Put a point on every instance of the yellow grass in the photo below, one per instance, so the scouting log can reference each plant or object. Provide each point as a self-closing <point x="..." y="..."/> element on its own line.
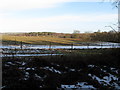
<point x="38" y="39"/>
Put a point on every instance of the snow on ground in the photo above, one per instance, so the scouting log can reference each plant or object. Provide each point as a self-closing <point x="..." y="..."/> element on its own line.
<point x="23" y="63"/>
<point x="20" y="55"/>
<point x="9" y="63"/>
<point x="114" y="70"/>
<point x="91" y="66"/>
<point x="21" y="68"/>
<point x="38" y="77"/>
<point x="107" y="80"/>
<point x="52" y="69"/>
<point x="81" y="85"/>
<point x="26" y="76"/>
<point x="30" y="68"/>
<point x="72" y="70"/>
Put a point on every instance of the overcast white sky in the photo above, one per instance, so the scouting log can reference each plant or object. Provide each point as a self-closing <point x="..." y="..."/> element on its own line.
<point x="56" y="15"/>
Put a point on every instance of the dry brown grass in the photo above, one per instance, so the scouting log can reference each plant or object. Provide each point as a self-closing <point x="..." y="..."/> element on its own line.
<point x="38" y="39"/>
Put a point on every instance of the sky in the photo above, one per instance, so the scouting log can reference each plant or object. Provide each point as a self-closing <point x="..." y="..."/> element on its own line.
<point x="62" y="16"/>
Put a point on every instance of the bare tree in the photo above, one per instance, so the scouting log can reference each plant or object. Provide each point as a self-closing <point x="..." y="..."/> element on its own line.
<point x="114" y="2"/>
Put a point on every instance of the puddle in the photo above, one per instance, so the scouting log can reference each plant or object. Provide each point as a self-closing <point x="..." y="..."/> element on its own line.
<point x="92" y="45"/>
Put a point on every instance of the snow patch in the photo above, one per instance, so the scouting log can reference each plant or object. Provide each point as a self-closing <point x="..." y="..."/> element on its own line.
<point x="52" y="70"/>
<point x="79" y="85"/>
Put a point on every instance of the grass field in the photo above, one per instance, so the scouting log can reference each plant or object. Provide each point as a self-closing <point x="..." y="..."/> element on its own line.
<point x="39" y="40"/>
